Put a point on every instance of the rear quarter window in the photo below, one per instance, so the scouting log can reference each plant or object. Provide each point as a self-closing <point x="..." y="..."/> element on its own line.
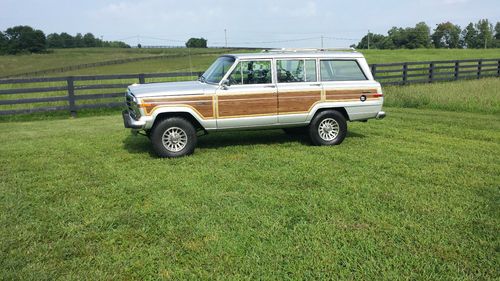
<point x="341" y="70"/>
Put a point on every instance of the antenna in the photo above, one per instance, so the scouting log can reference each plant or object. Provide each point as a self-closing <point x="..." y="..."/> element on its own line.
<point x="225" y="36"/>
<point x="190" y="63"/>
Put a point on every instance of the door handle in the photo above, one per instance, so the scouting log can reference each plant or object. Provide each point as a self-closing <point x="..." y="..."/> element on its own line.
<point x="315" y="84"/>
<point x="270" y="86"/>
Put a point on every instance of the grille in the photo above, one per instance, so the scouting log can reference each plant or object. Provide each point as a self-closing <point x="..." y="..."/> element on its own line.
<point x="132" y="107"/>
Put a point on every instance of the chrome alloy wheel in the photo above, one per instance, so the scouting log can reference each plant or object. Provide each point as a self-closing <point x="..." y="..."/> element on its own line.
<point x="328" y="129"/>
<point x="174" y="139"/>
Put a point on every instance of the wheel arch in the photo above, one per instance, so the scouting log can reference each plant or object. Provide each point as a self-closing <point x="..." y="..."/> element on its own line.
<point x="339" y="109"/>
<point x="186" y="115"/>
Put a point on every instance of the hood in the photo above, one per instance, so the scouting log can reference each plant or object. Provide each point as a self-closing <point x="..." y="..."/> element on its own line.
<point x="171" y="89"/>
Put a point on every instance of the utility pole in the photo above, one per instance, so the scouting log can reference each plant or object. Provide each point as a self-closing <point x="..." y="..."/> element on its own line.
<point x="368" y="39"/>
<point x="485" y="40"/>
<point x="225" y="36"/>
<point x="321" y="41"/>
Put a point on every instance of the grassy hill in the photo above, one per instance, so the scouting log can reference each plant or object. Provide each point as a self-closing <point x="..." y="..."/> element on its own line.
<point x="178" y="59"/>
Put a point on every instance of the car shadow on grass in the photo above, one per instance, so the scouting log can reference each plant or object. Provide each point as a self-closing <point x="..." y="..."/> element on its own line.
<point x="141" y="144"/>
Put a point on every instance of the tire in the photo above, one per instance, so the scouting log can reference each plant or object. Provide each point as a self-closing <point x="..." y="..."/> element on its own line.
<point x="295" y="131"/>
<point x="328" y="128"/>
<point x="173" y="137"/>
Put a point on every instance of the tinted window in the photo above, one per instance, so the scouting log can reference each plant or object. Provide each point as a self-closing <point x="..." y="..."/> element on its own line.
<point x="340" y="70"/>
<point x="251" y="72"/>
<point x="296" y="71"/>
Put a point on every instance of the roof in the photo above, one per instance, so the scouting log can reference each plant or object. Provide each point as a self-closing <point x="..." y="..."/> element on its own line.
<point x="298" y="54"/>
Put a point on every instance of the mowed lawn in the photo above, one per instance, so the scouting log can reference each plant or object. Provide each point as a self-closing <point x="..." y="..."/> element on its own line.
<point x="413" y="196"/>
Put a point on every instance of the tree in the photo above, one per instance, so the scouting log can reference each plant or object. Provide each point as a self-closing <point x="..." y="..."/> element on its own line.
<point x="54" y="41"/>
<point x="419" y="36"/>
<point x="24" y="38"/>
<point x="3" y="43"/>
<point x="497" y="34"/>
<point x="89" y="40"/>
<point x="196" y="43"/>
<point x="377" y="41"/>
<point x="67" y="40"/>
<point x="484" y="34"/>
<point x="78" y="41"/>
<point x="469" y="36"/>
<point x="446" y="35"/>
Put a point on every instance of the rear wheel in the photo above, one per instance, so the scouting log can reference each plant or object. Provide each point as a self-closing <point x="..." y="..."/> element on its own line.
<point x="328" y="128"/>
<point x="173" y="137"/>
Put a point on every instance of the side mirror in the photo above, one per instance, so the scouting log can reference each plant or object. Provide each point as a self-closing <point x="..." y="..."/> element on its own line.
<point x="225" y="83"/>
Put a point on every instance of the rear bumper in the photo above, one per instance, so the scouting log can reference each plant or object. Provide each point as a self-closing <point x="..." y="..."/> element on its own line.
<point x="130" y="122"/>
<point x="380" y="115"/>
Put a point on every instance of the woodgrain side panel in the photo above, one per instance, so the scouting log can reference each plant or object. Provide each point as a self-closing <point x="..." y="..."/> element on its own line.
<point x="247" y="104"/>
<point x="371" y="94"/>
<point x="204" y="105"/>
<point x="293" y="101"/>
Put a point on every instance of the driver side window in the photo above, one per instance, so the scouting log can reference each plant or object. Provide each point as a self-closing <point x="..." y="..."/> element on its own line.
<point x="251" y="72"/>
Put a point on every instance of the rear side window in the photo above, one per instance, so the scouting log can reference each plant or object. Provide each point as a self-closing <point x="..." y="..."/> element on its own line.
<point x="341" y="70"/>
<point x="289" y="71"/>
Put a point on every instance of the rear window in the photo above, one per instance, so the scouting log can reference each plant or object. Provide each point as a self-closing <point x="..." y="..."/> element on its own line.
<point x="341" y="70"/>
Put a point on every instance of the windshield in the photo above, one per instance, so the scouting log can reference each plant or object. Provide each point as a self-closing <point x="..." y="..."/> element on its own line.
<point x="217" y="70"/>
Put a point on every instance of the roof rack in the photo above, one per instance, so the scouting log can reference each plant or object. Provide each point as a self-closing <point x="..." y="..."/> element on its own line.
<point x="294" y="50"/>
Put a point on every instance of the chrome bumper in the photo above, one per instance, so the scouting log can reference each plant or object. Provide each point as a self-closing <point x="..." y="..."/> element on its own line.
<point x="130" y="122"/>
<point x="380" y="115"/>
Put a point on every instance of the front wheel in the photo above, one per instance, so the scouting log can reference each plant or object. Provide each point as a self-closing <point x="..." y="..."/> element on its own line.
<point x="173" y="137"/>
<point x="328" y="128"/>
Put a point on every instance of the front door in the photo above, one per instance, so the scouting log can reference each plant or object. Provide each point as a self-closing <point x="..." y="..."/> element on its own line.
<point x="250" y="99"/>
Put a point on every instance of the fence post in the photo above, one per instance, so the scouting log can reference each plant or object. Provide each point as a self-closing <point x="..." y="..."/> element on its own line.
<point x="71" y="96"/>
<point x="141" y="78"/>
<point x="457" y="69"/>
<point x="374" y="70"/>
<point x="405" y="73"/>
<point x="498" y="68"/>
<point x="431" y="72"/>
<point x="479" y="65"/>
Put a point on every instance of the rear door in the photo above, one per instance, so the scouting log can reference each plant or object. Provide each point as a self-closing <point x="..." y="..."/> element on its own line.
<point x="298" y="89"/>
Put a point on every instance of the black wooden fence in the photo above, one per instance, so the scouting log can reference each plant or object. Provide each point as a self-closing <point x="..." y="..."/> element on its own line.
<point x="402" y="73"/>
<point x="28" y="95"/>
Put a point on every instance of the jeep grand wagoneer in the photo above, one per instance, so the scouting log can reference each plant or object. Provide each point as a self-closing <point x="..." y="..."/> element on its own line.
<point x="314" y="92"/>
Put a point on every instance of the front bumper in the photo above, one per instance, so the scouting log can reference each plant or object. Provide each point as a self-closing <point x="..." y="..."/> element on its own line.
<point x="130" y="122"/>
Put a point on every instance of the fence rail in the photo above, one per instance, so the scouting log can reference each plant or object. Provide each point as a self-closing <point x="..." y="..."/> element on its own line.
<point x="73" y="93"/>
<point x="403" y="73"/>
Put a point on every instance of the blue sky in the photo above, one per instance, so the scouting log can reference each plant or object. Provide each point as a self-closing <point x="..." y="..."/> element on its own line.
<point x="299" y="23"/>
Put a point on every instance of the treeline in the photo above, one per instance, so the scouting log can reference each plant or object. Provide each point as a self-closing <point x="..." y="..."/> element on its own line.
<point x="445" y="35"/>
<point x="25" y="39"/>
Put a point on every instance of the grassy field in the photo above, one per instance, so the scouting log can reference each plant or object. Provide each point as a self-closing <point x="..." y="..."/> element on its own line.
<point x="10" y="65"/>
<point x="413" y="196"/>
<point x="15" y="64"/>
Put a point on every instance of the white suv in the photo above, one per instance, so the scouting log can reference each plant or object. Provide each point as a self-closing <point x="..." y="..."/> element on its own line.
<point x="314" y="92"/>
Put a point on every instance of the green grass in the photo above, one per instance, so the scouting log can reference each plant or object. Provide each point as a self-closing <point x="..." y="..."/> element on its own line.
<point x="16" y="64"/>
<point x="10" y="65"/>
<point x="387" y="56"/>
<point x="413" y="196"/>
<point x="464" y="96"/>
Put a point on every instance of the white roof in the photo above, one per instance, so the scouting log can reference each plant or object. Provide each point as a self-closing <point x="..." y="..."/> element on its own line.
<point x="298" y="54"/>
